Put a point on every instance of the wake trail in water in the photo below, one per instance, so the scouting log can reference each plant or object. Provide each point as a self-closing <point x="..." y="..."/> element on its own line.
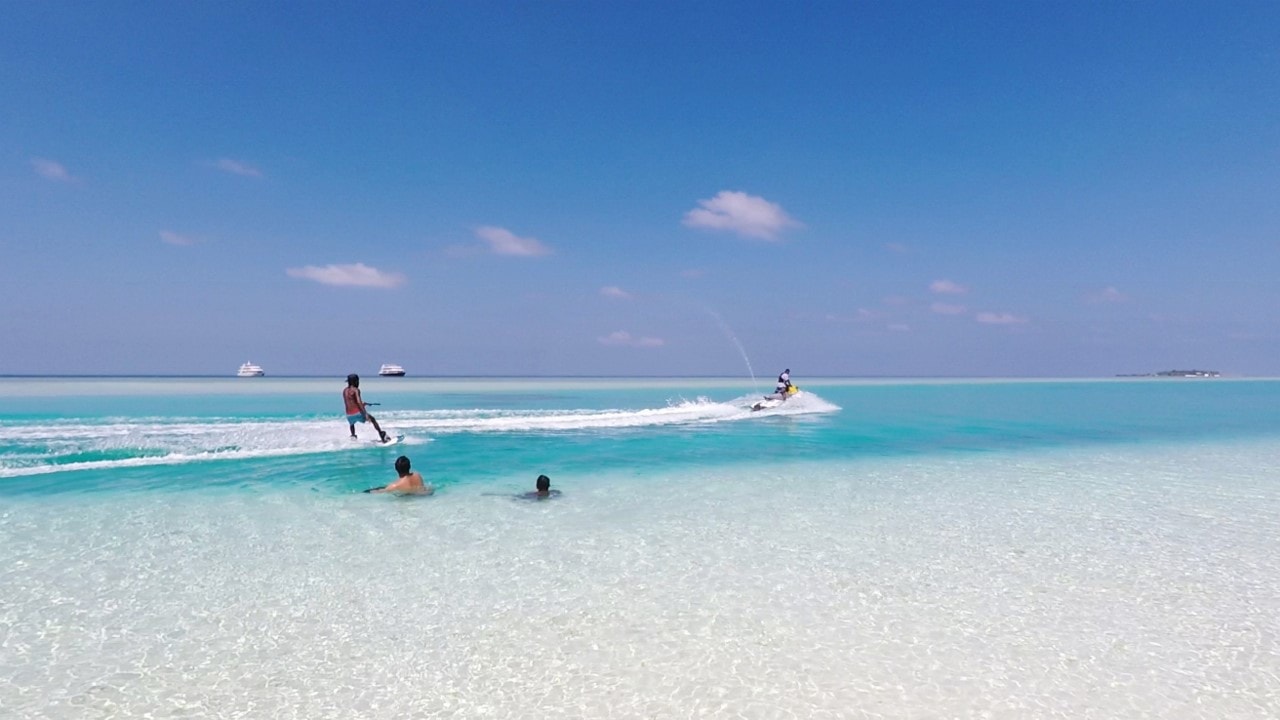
<point x="91" y="444"/>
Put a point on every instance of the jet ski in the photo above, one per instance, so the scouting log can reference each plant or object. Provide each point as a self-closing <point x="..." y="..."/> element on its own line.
<point x="773" y="400"/>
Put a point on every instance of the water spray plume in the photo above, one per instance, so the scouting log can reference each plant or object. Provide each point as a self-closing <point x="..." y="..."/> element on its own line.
<point x="724" y="327"/>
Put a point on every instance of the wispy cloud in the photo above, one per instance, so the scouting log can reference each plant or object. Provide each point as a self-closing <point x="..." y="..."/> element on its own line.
<point x="738" y="212"/>
<point x="236" y="167"/>
<point x="504" y="242"/>
<point x="624" y="339"/>
<point x="946" y="287"/>
<point x="1106" y="295"/>
<point x="611" y="291"/>
<point x="862" y="315"/>
<point x="50" y="170"/>
<point x="692" y="274"/>
<point x="897" y="247"/>
<point x="947" y="309"/>
<point x="992" y="318"/>
<point x="900" y="327"/>
<point x="357" y="275"/>
<point x="174" y="238"/>
<point x="462" y="251"/>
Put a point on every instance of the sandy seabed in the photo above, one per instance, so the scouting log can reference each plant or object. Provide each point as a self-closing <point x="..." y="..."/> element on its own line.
<point x="1118" y="582"/>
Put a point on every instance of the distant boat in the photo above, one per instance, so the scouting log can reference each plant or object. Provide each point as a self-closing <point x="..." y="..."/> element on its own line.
<point x="390" y="370"/>
<point x="250" y="370"/>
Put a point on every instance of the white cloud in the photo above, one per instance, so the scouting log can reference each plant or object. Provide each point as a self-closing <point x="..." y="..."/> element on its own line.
<point x="624" y="339"/>
<point x="357" y="275"/>
<point x="174" y="238"/>
<point x="50" y="170"/>
<point x="1107" y="295"/>
<point x="504" y="242"/>
<point x="946" y="287"/>
<point x="741" y="213"/>
<point x="235" y="167"/>
<point x="615" y="292"/>
<point x="991" y="318"/>
<point x="947" y="309"/>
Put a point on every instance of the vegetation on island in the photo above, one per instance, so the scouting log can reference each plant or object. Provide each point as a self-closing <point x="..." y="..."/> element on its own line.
<point x="1179" y="373"/>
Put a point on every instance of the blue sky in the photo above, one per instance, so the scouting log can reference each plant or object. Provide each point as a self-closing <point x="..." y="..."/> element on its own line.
<point x="865" y="189"/>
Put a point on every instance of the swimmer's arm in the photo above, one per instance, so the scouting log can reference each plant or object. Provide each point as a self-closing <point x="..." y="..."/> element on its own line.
<point x="403" y="485"/>
<point x="398" y="486"/>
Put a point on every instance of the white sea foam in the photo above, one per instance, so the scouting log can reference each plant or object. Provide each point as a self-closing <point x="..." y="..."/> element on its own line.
<point x="152" y="441"/>
<point x="701" y="410"/>
<point x="144" y="442"/>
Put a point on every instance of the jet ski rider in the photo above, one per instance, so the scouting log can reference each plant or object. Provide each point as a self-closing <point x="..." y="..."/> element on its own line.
<point x="784" y="384"/>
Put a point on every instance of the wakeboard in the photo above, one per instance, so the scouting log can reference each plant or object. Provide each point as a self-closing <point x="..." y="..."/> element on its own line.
<point x="391" y="440"/>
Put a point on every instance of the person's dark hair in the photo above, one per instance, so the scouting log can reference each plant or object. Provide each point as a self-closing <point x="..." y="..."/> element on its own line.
<point x="353" y="379"/>
<point x="544" y="483"/>
<point x="402" y="464"/>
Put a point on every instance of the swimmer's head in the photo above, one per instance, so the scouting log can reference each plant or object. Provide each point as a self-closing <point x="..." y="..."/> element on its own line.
<point x="544" y="483"/>
<point x="353" y="380"/>
<point x="402" y="465"/>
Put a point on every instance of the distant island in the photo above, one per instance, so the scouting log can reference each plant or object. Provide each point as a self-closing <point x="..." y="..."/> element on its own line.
<point x="1178" y="373"/>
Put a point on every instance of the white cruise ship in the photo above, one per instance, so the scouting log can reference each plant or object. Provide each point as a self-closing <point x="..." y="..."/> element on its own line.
<point x="390" y="370"/>
<point x="250" y="370"/>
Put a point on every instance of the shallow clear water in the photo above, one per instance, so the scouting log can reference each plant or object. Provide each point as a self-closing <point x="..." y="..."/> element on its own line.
<point x="952" y="549"/>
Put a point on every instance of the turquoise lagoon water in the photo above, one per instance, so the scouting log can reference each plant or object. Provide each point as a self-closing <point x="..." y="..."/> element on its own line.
<point x="201" y="547"/>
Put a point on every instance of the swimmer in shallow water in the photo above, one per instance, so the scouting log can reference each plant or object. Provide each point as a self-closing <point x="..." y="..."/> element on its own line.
<point x="409" y="482"/>
<point x="543" y="490"/>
